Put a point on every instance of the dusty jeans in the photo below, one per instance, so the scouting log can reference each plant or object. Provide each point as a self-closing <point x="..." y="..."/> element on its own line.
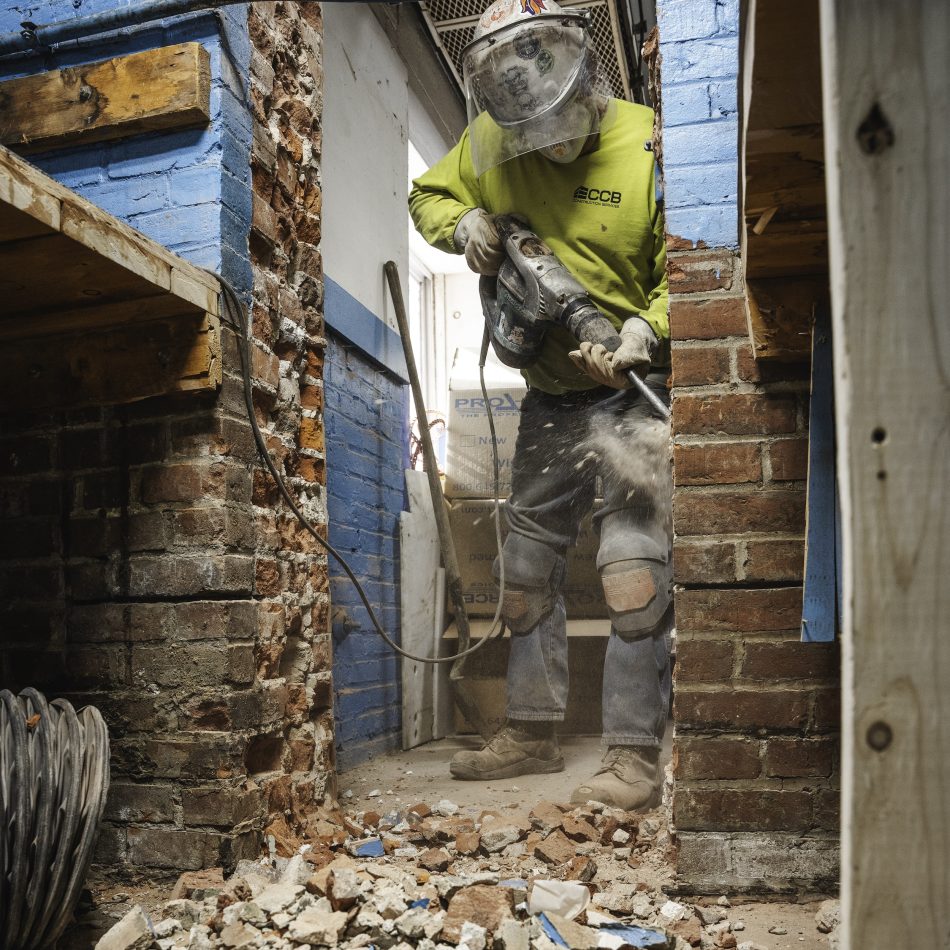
<point x="564" y="443"/>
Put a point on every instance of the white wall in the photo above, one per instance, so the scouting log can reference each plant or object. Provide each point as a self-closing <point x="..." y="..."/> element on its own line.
<point x="365" y="143"/>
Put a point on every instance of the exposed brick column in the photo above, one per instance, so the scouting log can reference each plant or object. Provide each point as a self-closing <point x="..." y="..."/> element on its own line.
<point x="755" y="755"/>
<point x="294" y="762"/>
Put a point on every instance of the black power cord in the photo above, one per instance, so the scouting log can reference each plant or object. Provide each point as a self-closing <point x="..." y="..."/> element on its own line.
<point x="237" y="319"/>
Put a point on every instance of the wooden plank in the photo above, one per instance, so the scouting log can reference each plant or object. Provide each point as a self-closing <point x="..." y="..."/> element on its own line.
<point x="44" y="198"/>
<point x="159" y="89"/>
<point x="419" y="558"/>
<point x="820" y="597"/>
<point x="887" y="89"/>
<point x="117" y="365"/>
<point x="83" y="278"/>
<point x="787" y="248"/>
<point x="64" y="321"/>
<point x="780" y="311"/>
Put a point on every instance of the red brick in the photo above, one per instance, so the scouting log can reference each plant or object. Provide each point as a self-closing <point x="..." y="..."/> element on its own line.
<point x="703" y="758"/>
<point x="742" y="810"/>
<point x="707" y="512"/>
<point x="828" y="809"/>
<point x="711" y="318"/>
<point x="717" y="463"/>
<point x="739" y="611"/>
<point x="704" y="562"/>
<point x="772" y="661"/>
<point x="774" y="561"/>
<point x="789" y="458"/>
<point x="742" y="710"/>
<point x="701" y="366"/>
<point x="183" y="482"/>
<point x="704" y="661"/>
<point x="734" y="414"/>
<point x="827" y="714"/>
<point x="697" y="273"/>
<point x="311" y="434"/>
<point x="787" y="757"/>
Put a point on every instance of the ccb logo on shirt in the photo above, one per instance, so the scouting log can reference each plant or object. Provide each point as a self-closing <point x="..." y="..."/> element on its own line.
<point x="598" y="196"/>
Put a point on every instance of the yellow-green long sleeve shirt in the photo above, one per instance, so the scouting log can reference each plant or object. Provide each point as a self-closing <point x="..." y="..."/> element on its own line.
<point x="599" y="214"/>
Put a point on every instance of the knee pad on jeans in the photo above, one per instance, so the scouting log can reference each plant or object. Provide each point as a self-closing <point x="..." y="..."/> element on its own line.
<point x="533" y="575"/>
<point x="638" y="587"/>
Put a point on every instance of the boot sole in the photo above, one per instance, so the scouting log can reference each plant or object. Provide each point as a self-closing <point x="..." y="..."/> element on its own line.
<point x="524" y="767"/>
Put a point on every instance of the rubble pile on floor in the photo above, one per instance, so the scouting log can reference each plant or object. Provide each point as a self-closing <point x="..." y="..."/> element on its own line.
<point x="437" y="879"/>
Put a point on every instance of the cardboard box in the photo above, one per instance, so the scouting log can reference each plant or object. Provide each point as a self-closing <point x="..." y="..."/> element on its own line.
<point x="473" y="528"/>
<point x="468" y="463"/>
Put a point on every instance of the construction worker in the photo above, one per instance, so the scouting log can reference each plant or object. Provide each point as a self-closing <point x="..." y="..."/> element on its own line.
<point x="546" y="141"/>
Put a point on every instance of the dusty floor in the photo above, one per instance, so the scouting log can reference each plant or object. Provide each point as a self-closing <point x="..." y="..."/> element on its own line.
<point x="421" y="774"/>
<point x="397" y="782"/>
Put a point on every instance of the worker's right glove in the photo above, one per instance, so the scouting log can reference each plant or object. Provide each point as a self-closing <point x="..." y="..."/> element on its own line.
<point x="477" y="236"/>
<point x="638" y="345"/>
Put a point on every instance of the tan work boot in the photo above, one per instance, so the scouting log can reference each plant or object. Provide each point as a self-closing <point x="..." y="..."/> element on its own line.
<point x="629" y="778"/>
<point x="518" y="748"/>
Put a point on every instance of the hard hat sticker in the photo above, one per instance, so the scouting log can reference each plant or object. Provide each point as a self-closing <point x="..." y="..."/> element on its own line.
<point x="533" y="6"/>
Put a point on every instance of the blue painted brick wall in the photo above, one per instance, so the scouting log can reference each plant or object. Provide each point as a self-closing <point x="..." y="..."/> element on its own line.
<point x="699" y="43"/>
<point x="366" y="418"/>
<point x="189" y="190"/>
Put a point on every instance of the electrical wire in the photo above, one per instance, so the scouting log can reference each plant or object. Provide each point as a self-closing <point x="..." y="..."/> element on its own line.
<point x="237" y="319"/>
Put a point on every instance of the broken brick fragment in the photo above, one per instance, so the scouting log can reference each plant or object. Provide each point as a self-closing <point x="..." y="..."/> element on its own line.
<point x="557" y="848"/>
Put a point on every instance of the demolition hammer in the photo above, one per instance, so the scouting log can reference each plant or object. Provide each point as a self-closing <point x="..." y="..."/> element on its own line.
<point x="533" y="291"/>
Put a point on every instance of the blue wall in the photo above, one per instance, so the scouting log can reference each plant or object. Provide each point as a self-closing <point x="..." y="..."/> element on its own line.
<point x="367" y="443"/>
<point x="699" y="43"/>
<point x="189" y="190"/>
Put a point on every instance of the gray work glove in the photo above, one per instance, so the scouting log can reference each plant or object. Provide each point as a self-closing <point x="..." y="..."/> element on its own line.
<point x="638" y="343"/>
<point x="477" y="236"/>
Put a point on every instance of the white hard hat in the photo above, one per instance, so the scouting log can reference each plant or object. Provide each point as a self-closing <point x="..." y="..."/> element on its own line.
<point x="531" y="82"/>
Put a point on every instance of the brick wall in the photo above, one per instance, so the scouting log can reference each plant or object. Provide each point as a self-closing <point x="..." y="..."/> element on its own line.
<point x="146" y="565"/>
<point x="755" y="753"/>
<point x="367" y="454"/>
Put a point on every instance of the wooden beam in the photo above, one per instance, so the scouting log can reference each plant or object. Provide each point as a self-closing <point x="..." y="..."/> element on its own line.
<point x="117" y="365"/>
<point x="159" y="89"/>
<point x="781" y="311"/>
<point x="886" y="71"/>
<point x="789" y="247"/>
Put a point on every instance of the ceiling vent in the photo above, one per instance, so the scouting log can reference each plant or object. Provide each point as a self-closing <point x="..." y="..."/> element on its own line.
<point x="452" y="23"/>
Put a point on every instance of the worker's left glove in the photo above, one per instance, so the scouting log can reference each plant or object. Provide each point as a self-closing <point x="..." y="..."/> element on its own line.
<point x="638" y="343"/>
<point x="477" y="236"/>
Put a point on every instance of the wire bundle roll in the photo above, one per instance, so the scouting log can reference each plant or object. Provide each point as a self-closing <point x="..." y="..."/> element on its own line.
<point x="54" y="777"/>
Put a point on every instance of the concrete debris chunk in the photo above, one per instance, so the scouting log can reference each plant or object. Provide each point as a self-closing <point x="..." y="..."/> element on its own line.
<point x="446" y="808"/>
<point x="574" y="935"/>
<point x="483" y="904"/>
<point x="472" y="937"/>
<point x="512" y="935"/>
<point x="317" y="927"/>
<point x="828" y="917"/>
<point x="132" y="932"/>
<point x="496" y="836"/>
<point x="557" y="848"/>
<point x="435" y="859"/>
<point x="278" y="897"/>
<point x="343" y="888"/>
<point x="710" y="915"/>
<point x="238" y="936"/>
<point x="673" y="911"/>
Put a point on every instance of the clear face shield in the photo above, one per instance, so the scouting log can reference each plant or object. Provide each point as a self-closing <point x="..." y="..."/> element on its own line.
<point x="534" y="86"/>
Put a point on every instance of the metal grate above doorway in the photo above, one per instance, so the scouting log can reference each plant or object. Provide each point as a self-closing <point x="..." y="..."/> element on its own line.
<point x="452" y="23"/>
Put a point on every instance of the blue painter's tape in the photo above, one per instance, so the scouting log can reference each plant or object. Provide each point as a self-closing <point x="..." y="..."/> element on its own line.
<point x="424" y="902"/>
<point x="820" y="602"/>
<point x="551" y="931"/>
<point x="345" y="315"/>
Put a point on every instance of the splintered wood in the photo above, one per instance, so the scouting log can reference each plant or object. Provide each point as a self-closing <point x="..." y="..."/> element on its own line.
<point x="784" y="239"/>
<point x="92" y="311"/>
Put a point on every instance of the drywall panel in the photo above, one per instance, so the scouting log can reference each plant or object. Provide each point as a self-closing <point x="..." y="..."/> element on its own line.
<point x="365" y="156"/>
